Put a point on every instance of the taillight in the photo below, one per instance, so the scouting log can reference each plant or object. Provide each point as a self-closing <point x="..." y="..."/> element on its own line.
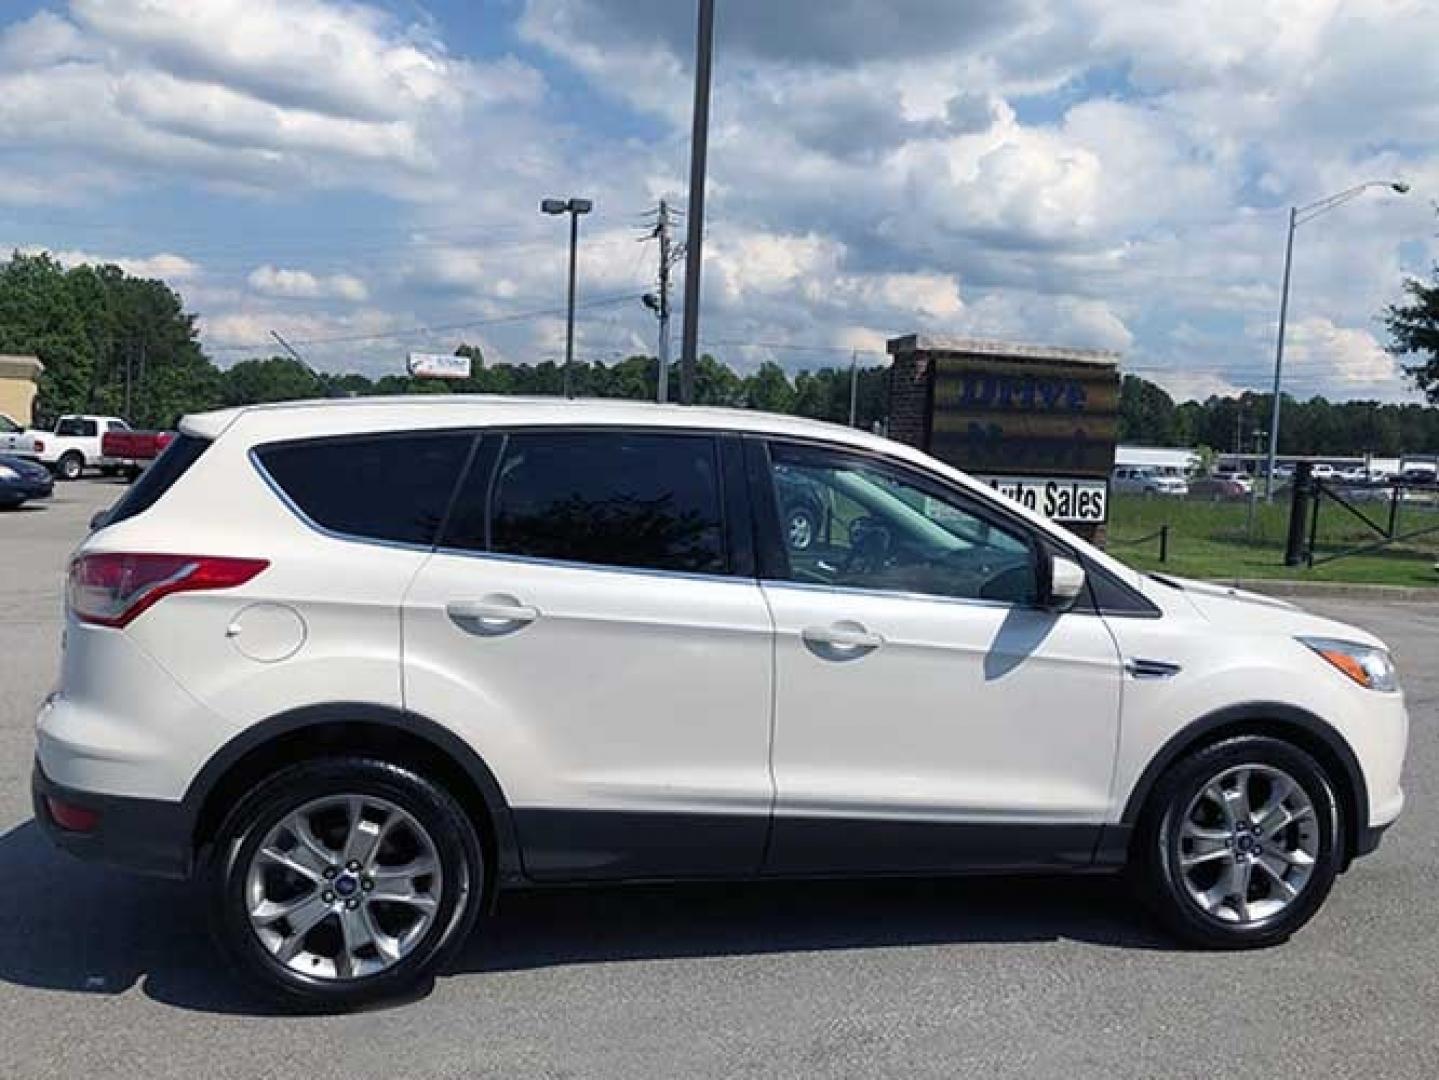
<point x="39" y="446"/>
<point x="113" y="588"/>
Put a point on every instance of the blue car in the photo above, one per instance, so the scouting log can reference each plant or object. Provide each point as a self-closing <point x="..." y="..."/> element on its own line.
<point x="21" y="480"/>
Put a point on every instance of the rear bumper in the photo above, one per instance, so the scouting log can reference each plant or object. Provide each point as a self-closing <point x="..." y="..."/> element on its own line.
<point x="146" y="836"/>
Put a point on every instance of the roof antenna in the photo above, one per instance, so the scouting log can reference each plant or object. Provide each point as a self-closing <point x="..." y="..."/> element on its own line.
<point x="301" y="360"/>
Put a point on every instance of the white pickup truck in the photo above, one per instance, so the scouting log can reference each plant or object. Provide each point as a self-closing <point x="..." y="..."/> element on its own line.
<point x="73" y="446"/>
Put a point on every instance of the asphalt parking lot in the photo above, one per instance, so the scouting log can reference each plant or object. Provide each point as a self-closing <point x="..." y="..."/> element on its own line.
<point x="101" y="973"/>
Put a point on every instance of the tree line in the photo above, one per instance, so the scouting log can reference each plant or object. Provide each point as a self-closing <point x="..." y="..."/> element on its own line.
<point x="121" y="345"/>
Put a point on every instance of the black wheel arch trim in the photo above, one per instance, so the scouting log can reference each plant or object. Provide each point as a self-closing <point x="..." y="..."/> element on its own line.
<point x="443" y="740"/>
<point x="1276" y="717"/>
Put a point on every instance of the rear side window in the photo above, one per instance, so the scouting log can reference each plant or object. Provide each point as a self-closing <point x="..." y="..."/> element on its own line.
<point x="626" y="499"/>
<point x="75" y="427"/>
<point x="159" y="478"/>
<point x="374" y="487"/>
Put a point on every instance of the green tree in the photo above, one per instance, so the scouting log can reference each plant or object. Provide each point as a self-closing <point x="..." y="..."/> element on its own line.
<point x="279" y="378"/>
<point x="1146" y="413"/>
<point x="1414" y="332"/>
<point x="769" y="389"/>
<point x="41" y="314"/>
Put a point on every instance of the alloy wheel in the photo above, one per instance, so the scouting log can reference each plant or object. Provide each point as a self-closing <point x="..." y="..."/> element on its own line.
<point x="1247" y="844"/>
<point x="343" y="887"/>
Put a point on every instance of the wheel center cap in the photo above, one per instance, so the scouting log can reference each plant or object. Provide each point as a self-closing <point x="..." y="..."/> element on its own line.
<point x="1244" y="842"/>
<point x="346" y="885"/>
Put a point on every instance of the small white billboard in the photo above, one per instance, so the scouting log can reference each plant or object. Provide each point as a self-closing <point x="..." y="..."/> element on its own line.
<point x="437" y="366"/>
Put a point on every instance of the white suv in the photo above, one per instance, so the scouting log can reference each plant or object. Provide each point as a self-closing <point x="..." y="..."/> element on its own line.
<point x="360" y="665"/>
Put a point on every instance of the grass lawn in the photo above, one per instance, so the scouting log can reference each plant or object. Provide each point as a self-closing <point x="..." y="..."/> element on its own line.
<point x="1208" y="540"/>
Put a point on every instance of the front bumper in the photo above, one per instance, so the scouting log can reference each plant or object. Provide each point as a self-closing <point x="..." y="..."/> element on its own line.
<point x="146" y="836"/>
<point x="24" y="490"/>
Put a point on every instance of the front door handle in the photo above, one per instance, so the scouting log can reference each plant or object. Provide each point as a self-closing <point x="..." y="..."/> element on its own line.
<point x="841" y="640"/>
<point x="491" y="615"/>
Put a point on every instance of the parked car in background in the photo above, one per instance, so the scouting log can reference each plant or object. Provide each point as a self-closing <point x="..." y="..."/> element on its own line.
<point x="1322" y="471"/>
<point x="73" y="446"/>
<point x="355" y="666"/>
<point x="134" y="450"/>
<point x="1145" y="480"/>
<point x="11" y="433"/>
<point x="1419" y="474"/>
<point x="22" y="480"/>
<point x="1217" y="488"/>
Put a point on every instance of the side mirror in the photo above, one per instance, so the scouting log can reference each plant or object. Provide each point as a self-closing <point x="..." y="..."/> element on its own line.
<point x="97" y="520"/>
<point x="1066" y="583"/>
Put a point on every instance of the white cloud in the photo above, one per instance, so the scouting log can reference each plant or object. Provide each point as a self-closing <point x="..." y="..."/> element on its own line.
<point x="302" y="285"/>
<point x="275" y="94"/>
<point x="163" y="265"/>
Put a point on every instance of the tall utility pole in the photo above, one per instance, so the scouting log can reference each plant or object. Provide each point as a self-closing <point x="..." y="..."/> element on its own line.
<point x="660" y="303"/>
<point x="694" y="243"/>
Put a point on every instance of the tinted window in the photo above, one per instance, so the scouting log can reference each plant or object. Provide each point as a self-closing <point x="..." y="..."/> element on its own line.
<point x="159" y="478"/>
<point x="849" y="521"/>
<point x="380" y="487"/>
<point x="74" y="426"/>
<point x="612" y="499"/>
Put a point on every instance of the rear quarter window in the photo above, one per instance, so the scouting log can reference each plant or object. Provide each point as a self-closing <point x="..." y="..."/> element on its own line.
<point x="159" y="478"/>
<point x="391" y="487"/>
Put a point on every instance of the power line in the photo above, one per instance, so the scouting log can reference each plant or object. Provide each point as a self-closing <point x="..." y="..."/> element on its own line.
<point x="518" y="316"/>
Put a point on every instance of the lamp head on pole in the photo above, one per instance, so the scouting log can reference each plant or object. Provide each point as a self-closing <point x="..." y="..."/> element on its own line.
<point x="566" y="206"/>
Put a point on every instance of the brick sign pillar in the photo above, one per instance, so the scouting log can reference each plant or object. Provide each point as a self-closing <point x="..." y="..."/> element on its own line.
<point x="1037" y="422"/>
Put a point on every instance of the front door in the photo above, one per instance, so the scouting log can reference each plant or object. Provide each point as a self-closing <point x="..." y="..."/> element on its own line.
<point x="593" y="628"/>
<point x="929" y="714"/>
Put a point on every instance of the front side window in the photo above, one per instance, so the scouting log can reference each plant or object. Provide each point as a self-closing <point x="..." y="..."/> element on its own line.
<point x="626" y="499"/>
<point x="8" y="426"/>
<point x="375" y="487"/>
<point x="848" y="521"/>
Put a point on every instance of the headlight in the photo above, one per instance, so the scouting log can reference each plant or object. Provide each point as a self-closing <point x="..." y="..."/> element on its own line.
<point x="7" y="473"/>
<point x="1371" y="668"/>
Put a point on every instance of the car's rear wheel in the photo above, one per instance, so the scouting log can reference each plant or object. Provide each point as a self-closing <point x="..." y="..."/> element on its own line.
<point x="1240" y="843"/>
<point x="70" y="465"/>
<point x="343" y="881"/>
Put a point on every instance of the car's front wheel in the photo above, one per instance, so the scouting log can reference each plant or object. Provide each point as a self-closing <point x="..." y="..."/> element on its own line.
<point x="342" y="881"/>
<point x="1240" y="843"/>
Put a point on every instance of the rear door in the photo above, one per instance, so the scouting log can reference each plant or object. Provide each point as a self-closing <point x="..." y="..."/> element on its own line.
<point x="593" y="627"/>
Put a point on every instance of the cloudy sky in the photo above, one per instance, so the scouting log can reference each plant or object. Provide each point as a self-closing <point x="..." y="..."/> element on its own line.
<point x="363" y="177"/>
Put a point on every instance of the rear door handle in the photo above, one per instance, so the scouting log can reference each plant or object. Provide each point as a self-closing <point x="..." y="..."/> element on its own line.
<point x="491" y="615"/>
<point x="841" y="640"/>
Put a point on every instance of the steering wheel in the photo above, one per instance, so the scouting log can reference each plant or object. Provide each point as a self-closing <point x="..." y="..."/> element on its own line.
<point x="869" y="547"/>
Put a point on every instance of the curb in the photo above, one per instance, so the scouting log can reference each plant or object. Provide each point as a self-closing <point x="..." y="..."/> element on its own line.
<point x="1336" y="590"/>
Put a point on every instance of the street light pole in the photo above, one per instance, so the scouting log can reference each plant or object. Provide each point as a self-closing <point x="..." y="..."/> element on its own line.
<point x="573" y="207"/>
<point x="694" y="241"/>
<point x="1298" y="215"/>
<point x="1278" y="365"/>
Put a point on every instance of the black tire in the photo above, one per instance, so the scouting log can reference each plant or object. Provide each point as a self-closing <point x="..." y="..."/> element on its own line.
<point x="70" y="465"/>
<point x="459" y="852"/>
<point x="1155" y="865"/>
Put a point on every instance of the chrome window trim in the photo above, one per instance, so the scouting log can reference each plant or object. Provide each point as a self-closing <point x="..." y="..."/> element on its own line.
<point x="888" y="594"/>
<point x="605" y="568"/>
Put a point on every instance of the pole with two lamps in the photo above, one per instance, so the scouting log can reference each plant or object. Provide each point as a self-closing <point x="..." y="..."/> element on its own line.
<point x="573" y="207"/>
